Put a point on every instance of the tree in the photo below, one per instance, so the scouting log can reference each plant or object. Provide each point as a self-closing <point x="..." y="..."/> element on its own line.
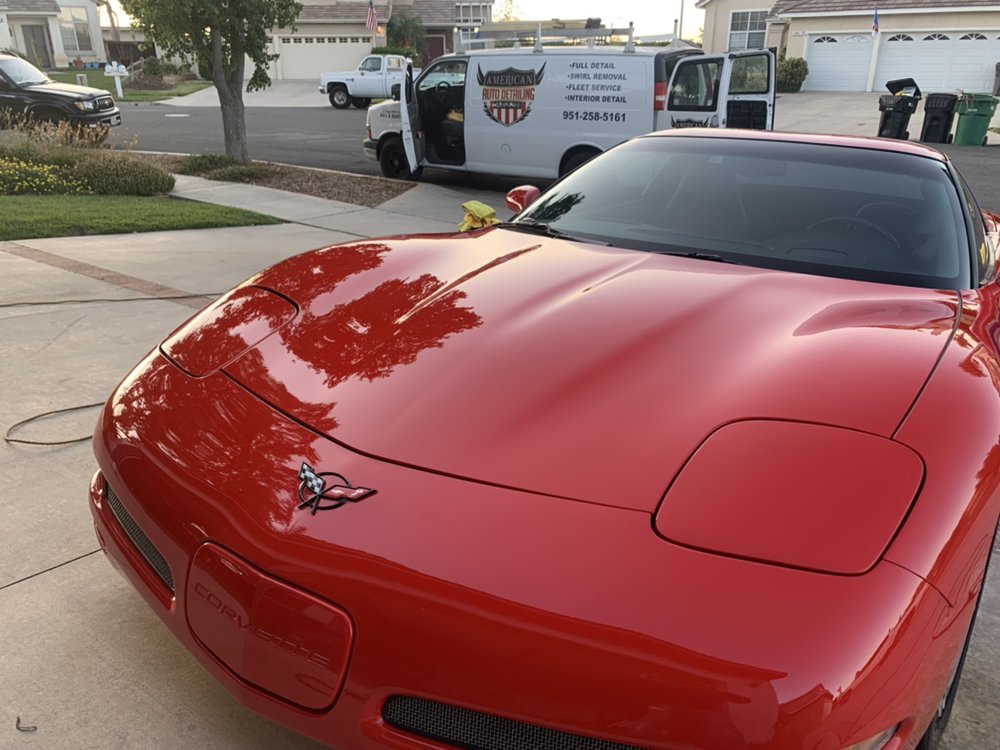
<point x="508" y="11"/>
<point x="220" y="35"/>
<point x="403" y="30"/>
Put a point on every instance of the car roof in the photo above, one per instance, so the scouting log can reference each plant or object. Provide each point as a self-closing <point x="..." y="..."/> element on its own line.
<point x="820" y="139"/>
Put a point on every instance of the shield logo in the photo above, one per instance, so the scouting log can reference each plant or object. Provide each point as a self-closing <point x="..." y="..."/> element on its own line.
<point x="509" y="93"/>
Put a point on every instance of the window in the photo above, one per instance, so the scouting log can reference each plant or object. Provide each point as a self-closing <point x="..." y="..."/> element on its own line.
<point x="371" y="65"/>
<point x="473" y="13"/>
<point x="394" y="63"/>
<point x="750" y="75"/>
<point x="696" y="85"/>
<point x="747" y="29"/>
<point x="826" y="40"/>
<point x="937" y="38"/>
<point x="75" y="30"/>
<point x="901" y="38"/>
<point x="975" y="36"/>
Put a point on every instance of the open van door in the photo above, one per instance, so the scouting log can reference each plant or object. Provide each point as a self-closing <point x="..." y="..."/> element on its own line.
<point x="749" y="82"/>
<point x="413" y="137"/>
<point x="735" y="90"/>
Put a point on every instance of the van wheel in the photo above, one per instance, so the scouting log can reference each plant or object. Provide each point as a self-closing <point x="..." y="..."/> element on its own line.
<point x="576" y="159"/>
<point x="360" y="103"/>
<point x="339" y="97"/>
<point x="392" y="160"/>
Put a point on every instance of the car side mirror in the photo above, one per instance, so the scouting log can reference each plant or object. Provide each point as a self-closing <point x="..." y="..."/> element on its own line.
<point x="521" y="197"/>
<point x="394" y="92"/>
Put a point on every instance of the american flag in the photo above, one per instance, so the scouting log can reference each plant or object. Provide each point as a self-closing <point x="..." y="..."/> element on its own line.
<point x="874" y="21"/>
<point x="372" y="21"/>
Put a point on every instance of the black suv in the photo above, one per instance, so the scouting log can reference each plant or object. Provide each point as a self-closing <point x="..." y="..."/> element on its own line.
<point x="25" y="91"/>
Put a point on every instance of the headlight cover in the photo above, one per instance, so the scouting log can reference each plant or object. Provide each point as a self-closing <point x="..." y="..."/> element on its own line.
<point x="795" y="494"/>
<point x="87" y="105"/>
<point x="226" y="329"/>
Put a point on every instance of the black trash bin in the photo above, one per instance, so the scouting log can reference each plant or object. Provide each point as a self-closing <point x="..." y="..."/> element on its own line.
<point x="939" y="113"/>
<point x="897" y="108"/>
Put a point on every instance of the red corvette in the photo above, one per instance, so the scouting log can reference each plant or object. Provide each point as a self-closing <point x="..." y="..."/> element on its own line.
<point x="700" y="451"/>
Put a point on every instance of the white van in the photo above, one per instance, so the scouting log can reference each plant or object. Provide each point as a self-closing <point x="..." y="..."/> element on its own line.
<point x="543" y="112"/>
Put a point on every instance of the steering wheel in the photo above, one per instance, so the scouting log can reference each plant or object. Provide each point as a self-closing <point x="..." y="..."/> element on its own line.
<point x="853" y="223"/>
<point x="443" y="92"/>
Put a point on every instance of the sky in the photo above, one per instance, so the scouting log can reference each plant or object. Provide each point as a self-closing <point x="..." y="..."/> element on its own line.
<point x="649" y="16"/>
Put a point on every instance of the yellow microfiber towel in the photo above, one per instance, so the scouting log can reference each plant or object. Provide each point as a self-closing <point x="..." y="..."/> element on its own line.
<point x="477" y="216"/>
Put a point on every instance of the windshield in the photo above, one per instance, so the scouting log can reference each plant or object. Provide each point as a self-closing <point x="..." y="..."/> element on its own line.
<point x="22" y="72"/>
<point x="827" y="210"/>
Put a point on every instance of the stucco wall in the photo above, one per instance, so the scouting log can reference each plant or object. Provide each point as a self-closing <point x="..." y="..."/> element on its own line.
<point x="717" y="15"/>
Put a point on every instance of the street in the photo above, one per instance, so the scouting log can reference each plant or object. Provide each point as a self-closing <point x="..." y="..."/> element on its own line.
<point x="331" y="139"/>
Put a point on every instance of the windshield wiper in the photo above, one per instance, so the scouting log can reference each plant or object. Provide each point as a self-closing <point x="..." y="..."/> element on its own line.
<point x="700" y="256"/>
<point x="547" y="230"/>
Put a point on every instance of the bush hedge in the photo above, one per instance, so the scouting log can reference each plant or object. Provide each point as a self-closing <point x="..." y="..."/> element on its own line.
<point x="19" y="177"/>
<point x="792" y="71"/>
<point x="110" y="174"/>
<point x="199" y="164"/>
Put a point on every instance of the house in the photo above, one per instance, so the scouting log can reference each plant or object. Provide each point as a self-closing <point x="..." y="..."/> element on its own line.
<point x="332" y="35"/>
<point x="944" y="46"/>
<point x="52" y="33"/>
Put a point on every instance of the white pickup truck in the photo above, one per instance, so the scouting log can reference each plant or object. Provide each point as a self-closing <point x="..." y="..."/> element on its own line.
<point x="373" y="79"/>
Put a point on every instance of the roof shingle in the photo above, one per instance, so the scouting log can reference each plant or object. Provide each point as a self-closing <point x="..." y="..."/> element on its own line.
<point x="30" y="6"/>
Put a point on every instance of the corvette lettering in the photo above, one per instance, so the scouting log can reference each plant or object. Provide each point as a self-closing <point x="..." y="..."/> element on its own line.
<point x="256" y="631"/>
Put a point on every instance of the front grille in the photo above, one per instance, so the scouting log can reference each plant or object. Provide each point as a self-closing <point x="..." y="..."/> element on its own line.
<point x="105" y="102"/>
<point x="139" y="538"/>
<point x="473" y="730"/>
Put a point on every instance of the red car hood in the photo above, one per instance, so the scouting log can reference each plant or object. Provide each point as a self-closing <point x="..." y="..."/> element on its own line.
<point x="579" y="371"/>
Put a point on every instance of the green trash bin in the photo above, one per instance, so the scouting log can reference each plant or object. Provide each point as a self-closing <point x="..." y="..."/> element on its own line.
<point x="974" y="114"/>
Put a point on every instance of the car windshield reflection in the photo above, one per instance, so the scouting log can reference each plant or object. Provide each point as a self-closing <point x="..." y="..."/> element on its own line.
<point x="856" y="213"/>
<point x="22" y="72"/>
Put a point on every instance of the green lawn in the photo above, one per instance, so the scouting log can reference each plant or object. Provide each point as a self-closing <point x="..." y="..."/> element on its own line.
<point x="33" y="216"/>
<point x="98" y="80"/>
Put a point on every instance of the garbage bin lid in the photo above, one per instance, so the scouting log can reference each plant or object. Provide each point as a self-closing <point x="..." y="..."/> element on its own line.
<point x="906" y="86"/>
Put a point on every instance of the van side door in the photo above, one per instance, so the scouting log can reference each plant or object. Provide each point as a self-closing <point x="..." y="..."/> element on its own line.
<point x="413" y="136"/>
<point x="693" y="97"/>
<point x="749" y="83"/>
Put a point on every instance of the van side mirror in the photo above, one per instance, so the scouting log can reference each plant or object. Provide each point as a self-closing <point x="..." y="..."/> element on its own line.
<point x="394" y="92"/>
<point x="521" y="197"/>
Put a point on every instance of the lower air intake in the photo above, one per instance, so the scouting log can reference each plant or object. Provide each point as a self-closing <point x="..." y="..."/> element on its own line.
<point x="139" y="538"/>
<point x="473" y="730"/>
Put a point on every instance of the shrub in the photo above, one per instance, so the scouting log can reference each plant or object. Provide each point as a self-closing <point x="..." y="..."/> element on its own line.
<point x="108" y="174"/>
<point x="240" y="173"/>
<point x="155" y="66"/>
<point x="19" y="177"/>
<point x="792" y="71"/>
<point x="60" y="132"/>
<point x="202" y="163"/>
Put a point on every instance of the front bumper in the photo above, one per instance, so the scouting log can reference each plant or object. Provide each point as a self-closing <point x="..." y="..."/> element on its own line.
<point x="108" y="118"/>
<point x="564" y="615"/>
<point x="370" y="146"/>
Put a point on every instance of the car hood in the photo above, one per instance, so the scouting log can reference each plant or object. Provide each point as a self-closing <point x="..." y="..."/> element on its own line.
<point x="66" y="90"/>
<point x="575" y="370"/>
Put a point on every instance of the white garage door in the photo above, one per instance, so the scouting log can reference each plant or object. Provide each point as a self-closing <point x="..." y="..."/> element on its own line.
<point x="308" y="57"/>
<point x="940" y="61"/>
<point x="838" y="62"/>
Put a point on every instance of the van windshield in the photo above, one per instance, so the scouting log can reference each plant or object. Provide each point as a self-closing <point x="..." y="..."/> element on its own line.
<point x="828" y="210"/>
